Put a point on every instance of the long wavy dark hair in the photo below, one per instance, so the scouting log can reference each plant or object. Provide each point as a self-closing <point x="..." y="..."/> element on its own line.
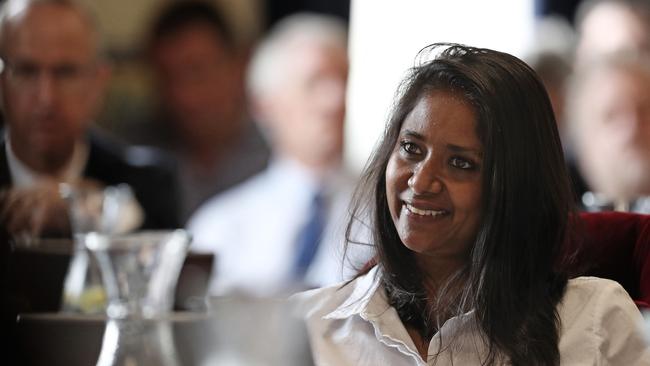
<point x="515" y="276"/>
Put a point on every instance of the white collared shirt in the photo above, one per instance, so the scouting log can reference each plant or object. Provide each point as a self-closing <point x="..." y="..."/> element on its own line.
<point x="355" y="325"/>
<point x="252" y="230"/>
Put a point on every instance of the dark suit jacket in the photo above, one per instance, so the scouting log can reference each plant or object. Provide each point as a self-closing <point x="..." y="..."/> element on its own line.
<point x="150" y="175"/>
<point x="153" y="181"/>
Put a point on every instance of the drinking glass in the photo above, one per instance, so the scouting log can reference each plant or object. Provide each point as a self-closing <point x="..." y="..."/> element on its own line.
<point x="139" y="273"/>
<point x="107" y="210"/>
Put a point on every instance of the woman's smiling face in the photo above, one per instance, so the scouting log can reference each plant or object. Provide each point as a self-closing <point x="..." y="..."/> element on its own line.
<point x="433" y="177"/>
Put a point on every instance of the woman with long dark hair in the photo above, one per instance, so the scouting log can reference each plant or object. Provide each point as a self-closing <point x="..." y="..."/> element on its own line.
<point x="469" y="206"/>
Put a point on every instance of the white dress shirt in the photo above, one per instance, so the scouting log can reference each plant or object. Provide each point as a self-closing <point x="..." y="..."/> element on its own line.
<point x="354" y="325"/>
<point x="252" y="230"/>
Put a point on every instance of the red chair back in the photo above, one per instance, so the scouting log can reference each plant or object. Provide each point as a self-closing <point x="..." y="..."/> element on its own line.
<point x="617" y="246"/>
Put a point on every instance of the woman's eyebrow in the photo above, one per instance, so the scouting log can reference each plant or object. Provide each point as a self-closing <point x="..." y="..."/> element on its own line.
<point x="463" y="149"/>
<point x="411" y="133"/>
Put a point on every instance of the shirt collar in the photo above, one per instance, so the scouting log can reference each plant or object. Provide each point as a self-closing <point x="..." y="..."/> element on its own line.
<point x="367" y="299"/>
<point x="369" y="302"/>
<point x="24" y="176"/>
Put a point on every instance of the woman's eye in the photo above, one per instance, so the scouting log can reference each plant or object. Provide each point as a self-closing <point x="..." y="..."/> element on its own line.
<point x="410" y="148"/>
<point x="461" y="163"/>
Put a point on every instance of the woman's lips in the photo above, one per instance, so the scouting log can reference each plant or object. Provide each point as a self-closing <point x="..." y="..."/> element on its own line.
<point x="420" y="211"/>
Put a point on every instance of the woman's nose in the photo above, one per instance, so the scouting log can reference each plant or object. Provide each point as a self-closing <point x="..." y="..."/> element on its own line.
<point x="426" y="179"/>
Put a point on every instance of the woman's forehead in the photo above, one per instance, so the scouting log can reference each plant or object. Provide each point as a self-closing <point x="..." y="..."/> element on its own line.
<point x="443" y="115"/>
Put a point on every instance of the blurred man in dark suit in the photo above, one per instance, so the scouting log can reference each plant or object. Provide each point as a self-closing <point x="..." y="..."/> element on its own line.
<point x="52" y="84"/>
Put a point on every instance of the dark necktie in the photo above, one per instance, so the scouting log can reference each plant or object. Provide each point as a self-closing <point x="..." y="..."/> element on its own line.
<point x="310" y="236"/>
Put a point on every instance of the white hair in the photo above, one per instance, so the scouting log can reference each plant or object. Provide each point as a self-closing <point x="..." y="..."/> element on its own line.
<point x="269" y="65"/>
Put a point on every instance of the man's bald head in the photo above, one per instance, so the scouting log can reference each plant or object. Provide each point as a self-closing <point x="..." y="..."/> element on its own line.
<point x="12" y="12"/>
<point x="52" y="81"/>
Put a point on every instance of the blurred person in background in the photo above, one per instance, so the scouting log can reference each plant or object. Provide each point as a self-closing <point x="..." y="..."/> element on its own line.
<point x="52" y="84"/>
<point x="608" y="27"/>
<point x="605" y="28"/>
<point x="551" y="58"/>
<point x="284" y="226"/>
<point x="609" y="123"/>
<point x="550" y="55"/>
<point x="199" y="73"/>
<point x="555" y="70"/>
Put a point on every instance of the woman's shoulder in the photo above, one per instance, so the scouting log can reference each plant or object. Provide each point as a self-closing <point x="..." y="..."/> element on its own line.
<point x="600" y="323"/>
<point x="594" y="294"/>
<point x="320" y="302"/>
<point x="588" y="288"/>
<point x="588" y="282"/>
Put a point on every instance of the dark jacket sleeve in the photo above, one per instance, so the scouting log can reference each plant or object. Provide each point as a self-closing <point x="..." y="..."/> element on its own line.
<point x="150" y="173"/>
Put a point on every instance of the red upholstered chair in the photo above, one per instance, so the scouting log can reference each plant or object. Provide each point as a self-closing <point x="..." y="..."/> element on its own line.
<point x="617" y="246"/>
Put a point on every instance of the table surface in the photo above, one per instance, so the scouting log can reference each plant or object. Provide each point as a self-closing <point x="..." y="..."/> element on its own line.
<point x="240" y="330"/>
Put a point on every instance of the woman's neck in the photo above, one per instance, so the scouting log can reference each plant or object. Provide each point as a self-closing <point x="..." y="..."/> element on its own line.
<point x="443" y="282"/>
<point x="437" y="272"/>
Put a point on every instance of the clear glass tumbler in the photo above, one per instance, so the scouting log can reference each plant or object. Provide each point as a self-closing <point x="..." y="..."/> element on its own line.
<point x="105" y="210"/>
<point x="139" y="272"/>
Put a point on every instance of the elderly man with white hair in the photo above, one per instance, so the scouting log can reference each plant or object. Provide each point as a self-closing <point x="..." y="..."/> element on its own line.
<point x="609" y="123"/>
<point x="610" y="27"/>
<point x="284" y="228"/>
